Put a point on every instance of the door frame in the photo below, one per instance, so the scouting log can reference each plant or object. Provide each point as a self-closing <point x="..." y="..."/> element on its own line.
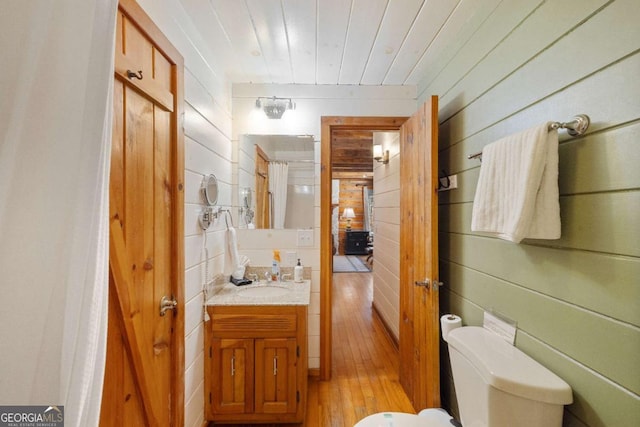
<point x="328" y="125"/>
<point x="162" y="43"/>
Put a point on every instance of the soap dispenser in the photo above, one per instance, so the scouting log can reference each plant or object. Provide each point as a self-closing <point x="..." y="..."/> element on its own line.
<point x="275" y="266"/>
<point x="298" y="272"/>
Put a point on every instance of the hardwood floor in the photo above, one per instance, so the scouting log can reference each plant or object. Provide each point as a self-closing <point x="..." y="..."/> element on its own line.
<point x="365" y="363"/>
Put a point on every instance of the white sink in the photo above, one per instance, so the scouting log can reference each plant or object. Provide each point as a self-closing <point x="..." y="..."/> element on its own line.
<point x="270" y="291"/>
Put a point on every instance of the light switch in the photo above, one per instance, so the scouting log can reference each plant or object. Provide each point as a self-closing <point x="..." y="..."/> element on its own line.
<point x="305" y="238"/>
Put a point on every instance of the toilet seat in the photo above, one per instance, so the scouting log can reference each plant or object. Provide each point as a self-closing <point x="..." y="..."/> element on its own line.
<point x="426" y="418"/>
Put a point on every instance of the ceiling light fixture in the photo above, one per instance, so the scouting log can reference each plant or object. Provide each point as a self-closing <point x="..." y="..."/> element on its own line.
<point x="275" y="107"/>
<point x="379" y="155"/>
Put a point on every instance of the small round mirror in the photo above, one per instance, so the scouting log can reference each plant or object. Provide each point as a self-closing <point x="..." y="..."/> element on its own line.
<point x="245" y="195"/>
<point x="210" y="189"/>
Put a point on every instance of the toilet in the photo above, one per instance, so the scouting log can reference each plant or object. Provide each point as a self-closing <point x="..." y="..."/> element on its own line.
<point x="497" y="385"/>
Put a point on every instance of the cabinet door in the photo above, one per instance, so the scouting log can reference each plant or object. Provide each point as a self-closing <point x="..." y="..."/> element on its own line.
<point x="276" y="379"/>
<point x="232" y="370"/>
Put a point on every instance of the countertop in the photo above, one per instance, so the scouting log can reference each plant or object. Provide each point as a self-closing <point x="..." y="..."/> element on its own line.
<point x="292" y="294"/>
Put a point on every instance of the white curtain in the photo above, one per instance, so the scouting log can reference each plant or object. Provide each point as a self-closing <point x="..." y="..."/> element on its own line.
<point x="367" y="198"/>
<point x="278" y="177"/>
<point x="335" y="227"/>
<point x="55" y="133"/>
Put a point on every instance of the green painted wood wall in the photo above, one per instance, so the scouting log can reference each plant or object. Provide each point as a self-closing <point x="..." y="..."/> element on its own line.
<point x="576" y="300"/>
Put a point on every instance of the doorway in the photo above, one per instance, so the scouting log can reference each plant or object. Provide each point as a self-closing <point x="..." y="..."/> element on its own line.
<point x="419" y="296"/>
<point x="330" y="125"/>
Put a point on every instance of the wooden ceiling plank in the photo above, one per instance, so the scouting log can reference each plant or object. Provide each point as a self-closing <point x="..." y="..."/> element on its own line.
<point x="395" y="24"/>
<point x="366" y="16"/>
<point x="268" y="23"/>
<point x="235" y="19"/>
<point x="300" y="21"/>
<point x="430" y="19"/>
<point x="333" y="20"/>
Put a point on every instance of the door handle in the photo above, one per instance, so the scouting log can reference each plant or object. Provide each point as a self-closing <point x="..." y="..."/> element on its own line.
<point x="427" y="284"/>
<point x="168" y="303"/>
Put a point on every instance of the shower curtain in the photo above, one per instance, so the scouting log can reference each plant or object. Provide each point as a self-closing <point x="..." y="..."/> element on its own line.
<point x="55" y="136"/>
<point x="278" y="178"/>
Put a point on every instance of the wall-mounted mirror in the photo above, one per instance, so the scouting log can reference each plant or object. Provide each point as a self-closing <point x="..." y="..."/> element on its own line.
<point x="210" y="190"/>
<point x="276" y="175"/>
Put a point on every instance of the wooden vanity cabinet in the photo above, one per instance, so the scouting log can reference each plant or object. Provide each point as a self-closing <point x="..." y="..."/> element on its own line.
<point x="256" y="367"/>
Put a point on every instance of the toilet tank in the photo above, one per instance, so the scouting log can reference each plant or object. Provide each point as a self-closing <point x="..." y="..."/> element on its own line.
<point x="498" y="385"/>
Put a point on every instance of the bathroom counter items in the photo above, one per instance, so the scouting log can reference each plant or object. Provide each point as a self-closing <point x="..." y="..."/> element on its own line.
<point x="278" y="293"/>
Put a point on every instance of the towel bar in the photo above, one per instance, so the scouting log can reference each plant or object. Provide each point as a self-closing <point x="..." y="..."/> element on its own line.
<point x="575" y="127"/>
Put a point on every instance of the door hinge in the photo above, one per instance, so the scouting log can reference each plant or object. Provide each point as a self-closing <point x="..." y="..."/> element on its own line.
<point x="210" y="398"/>
<point x="210" y="352"/>
<point x="298" y="351"/>
<point x="297" y="396"/>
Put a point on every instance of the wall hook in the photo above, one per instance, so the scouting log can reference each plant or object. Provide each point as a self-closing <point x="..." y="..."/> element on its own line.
<point x="445" y="178"/>
<point x="132" y="74"/>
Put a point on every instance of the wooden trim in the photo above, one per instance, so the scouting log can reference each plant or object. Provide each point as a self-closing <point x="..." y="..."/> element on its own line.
<point x="150" y="29"/>
<point x="314" y="372"/>
<point x="328" y="124"/>
<point x="326" y="250"/>
<point x="177" y="127"/>
<point x="385" y="325"/>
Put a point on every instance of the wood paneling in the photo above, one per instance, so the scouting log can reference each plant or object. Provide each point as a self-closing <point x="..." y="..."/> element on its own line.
<point x="332" y="23"/>
<point x="575" y="299"/>
<point x="351" y="196"/>
<point x="352" y="150"/>
<point x="386" y="268"/>
<point x="364" y="23"/>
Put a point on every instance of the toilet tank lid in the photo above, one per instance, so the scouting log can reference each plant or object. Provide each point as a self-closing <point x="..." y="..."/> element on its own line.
<point x="507" y="368"/>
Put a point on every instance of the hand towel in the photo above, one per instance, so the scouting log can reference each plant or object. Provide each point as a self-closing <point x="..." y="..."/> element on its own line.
<point x="232" y="257"/>
<point x="517" y="195"/>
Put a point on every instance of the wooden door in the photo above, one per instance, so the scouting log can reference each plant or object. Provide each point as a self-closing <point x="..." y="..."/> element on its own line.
<point x="233" y="375"/>
<point x="263" y="203"/>
<point x="276" y="379"/>
<point x="419" y="314"/>
<point x="144" y="376"/>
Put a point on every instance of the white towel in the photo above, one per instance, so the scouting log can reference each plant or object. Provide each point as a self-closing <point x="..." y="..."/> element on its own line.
<point x="517" y="195"/>
<point x="232" y="258"/>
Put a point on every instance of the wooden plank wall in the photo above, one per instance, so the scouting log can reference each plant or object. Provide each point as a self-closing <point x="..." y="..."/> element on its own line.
<point x="351" y="197"/>
<point x="577" y="299"/>
<point x="386" y="240"/>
